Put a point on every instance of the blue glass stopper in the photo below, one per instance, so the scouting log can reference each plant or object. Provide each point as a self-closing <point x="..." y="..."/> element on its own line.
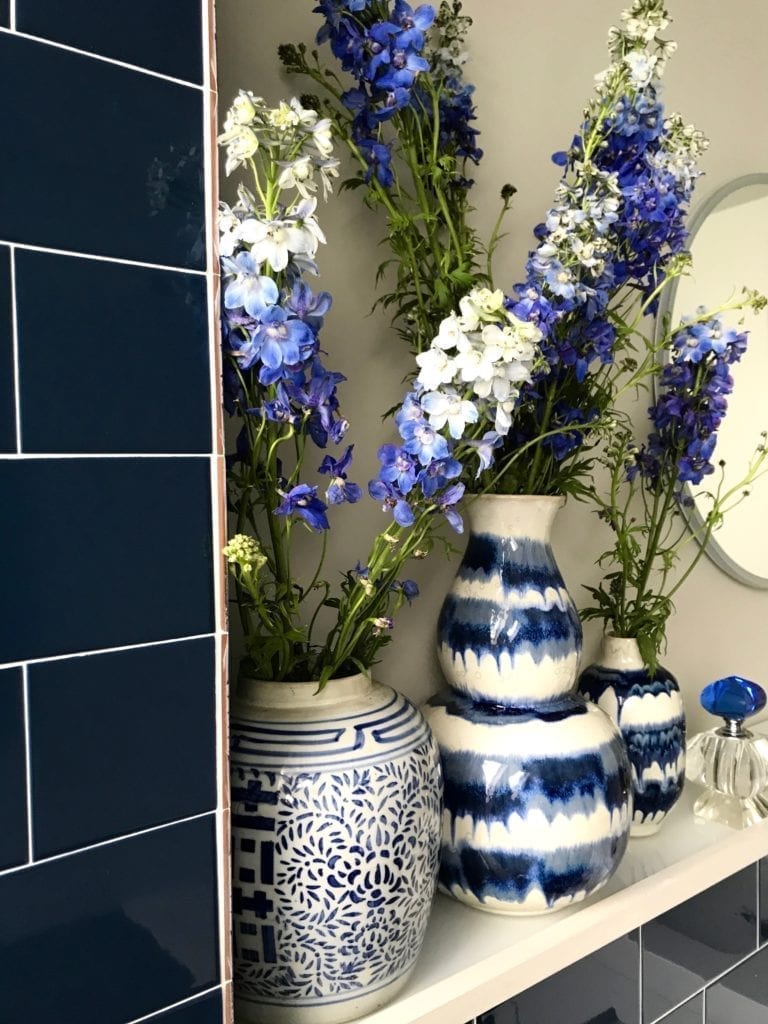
<point x="733" y="698"/>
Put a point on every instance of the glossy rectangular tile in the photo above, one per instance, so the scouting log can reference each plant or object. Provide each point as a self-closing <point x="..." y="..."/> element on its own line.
<point x="112" y="933"/>
<point x="98" y="370"/>
<point x="165" y="37"/>
<point x="207" y="1009"/>
<point x="103" y="553"/>
<point x="762" y="867"/>
<point x="741" y="997"/>
<point x="5" y="13"/>
<point x="103" y="759"/>
<point x="689" y="1013"/>
<point x="13" y="784"/>
<point x="602" y="988"/>
<point x="693" y="943"/>
<point x="118" y="163"/>
<point x="7" y="399"/>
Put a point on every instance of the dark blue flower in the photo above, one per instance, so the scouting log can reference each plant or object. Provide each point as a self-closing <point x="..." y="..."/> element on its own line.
<point x="340" y="489"/>
<point x="303" y="501"/>
<point x="392" y="499"/>
<point x="398" y="467"/>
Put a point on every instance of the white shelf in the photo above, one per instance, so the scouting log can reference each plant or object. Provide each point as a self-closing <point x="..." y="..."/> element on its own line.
<point x="471" y="961"/>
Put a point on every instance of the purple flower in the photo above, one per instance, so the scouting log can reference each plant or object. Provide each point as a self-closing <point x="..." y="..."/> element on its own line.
<point x="437" y="474"/>
<point x="485" y="448"/>
<point x="391" y="499"/>
<point x="340" y="489"/>
<point x="423" y="441"/>
<point x="302" y="500"/>
<point x="398" y="467"/>
<point x="446" y="502"/>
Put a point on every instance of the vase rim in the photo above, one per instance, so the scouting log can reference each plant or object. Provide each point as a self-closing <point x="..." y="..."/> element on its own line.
<point x="282" y="693"/>
<point x="516" y="497"/>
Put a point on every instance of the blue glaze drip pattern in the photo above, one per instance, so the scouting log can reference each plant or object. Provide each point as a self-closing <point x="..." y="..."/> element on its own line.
<point x="652" y="747"/>
<point x="467" y="624"/>
<point x="487" y="713"/>
<point x="520" y="563"/>
<point x="551" y="784"/>
<point x="510" y="876"/>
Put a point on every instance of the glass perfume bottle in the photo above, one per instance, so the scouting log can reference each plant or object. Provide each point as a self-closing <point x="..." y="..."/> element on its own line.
<point x="730" y="762"/>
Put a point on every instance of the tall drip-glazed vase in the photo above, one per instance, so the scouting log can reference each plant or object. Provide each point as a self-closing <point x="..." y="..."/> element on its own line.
<point x="336" y="800"/>
<point x="537" y="809"/>
<point x="648" y="709"/>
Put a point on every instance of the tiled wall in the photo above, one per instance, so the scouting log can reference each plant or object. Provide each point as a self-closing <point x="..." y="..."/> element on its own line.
<point x="704" y="962"/>
<point x="111" y="790"/>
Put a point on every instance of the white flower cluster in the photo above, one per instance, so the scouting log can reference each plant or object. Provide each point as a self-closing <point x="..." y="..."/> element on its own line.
<point x="484" y="352"/>
<point x="298" y="142"/>
<point x="638" y="46"/>
<point x="244" y="552"/>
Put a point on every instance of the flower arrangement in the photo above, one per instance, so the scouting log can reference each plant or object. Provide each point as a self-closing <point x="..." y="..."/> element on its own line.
<point x="404" y="111"/>
<point x="614" y="238"/>
<point x="287" y="400"/>
<point x="650" y="485"/>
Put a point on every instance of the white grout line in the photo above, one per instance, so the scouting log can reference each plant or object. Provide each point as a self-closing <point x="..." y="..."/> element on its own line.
<point x="15" y="344"/>
<point x="28" y="764"/>
<point x="103" y="259"/>
<point x="165" y="1009"/>
<point x="704" y="1007"/>
<point x="26" y="456"/>
<point x="105" y="650"/>
<point x="702" y="991"/>
<point x="105" y="842"/>
<point x="94" y="56"/>
<point x="13" y="15"/>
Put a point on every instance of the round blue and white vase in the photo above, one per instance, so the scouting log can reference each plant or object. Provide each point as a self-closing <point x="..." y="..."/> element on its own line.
<point x="648" y="710"/>
<point x="537" y="783"/>
<point x="336" y="809"/>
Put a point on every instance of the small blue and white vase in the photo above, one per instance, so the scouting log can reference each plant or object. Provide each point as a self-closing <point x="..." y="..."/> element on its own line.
<point x="648" y="710"/>
<point x="336" y="802"/>
<point x="537" y="802"/>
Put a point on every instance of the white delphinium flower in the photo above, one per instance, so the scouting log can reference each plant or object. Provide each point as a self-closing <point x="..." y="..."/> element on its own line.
<point x="448" y="407"/>
<point x="229" y="230"/>
<point x="305" y="220"/>
<point x="298" y="174"/>
<point x="242" y="142"/>
<point x="321" y="136"/>
<point x="274" y="241"/>
<point x="435" y="368"/>
<point x="450" y="334"/>
<point x="244" y="108"/>
<point x="642" y="67"/>
<point x="285" y="116"/>
<point x="329" y="169"/>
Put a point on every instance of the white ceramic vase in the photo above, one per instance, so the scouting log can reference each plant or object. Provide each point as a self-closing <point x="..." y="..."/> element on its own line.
<point x="536" y="779"/>
<point x="648" y="710"/>
<point x="335" y="839"/>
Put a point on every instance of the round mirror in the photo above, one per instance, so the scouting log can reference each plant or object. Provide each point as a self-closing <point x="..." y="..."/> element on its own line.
<point x="729" y="244"/>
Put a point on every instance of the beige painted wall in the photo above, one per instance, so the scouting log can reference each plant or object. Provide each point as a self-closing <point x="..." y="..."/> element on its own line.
<point x="532" y="64"/>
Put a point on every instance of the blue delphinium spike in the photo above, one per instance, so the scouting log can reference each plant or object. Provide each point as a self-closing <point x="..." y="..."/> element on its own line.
<point x="733" y="697"/>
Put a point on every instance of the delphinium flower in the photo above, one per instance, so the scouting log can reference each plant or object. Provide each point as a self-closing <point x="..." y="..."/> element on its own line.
<point x="652" y="484"/>
<point x="277" y="384"/>
<point x="401" y="104"/>
<point x="614" y="237"/>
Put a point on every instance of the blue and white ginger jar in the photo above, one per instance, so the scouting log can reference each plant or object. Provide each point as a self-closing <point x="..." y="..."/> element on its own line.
<point x="648" y="710"/>
<point x="336" y="800"/>
<point x="537" y="803"/>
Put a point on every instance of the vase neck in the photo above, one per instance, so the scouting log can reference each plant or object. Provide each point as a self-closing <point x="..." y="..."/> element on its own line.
<point x="514" y="515"/>
<point x="621" y="652"/>
<point x="266" y="693"/>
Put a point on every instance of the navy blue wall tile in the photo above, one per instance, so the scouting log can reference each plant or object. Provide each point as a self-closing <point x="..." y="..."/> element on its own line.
<point x="103" y="553"/>
<point x="165" y="37"/>
<point x="741" y="997"/>
<point x="100" y="727"/>
<point x="602" y="988"/>
<point x="698" y="940"/>
<point x="94" y="382"/>
<point x="113" y="933"/>
<point x="206" y="1010"/>
<point x="13" y="772"/>
<point x="117" y="171"/>
<point x="7" y="400"/>
<point x="762" y="867"/>
<point x="5" y="16"/>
